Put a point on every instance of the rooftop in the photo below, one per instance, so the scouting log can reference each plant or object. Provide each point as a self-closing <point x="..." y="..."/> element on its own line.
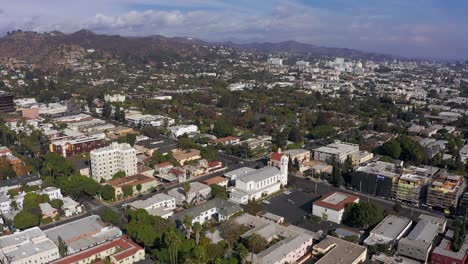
<point x="215" y="180"/>
<point x="336" y="200"/>
<point x="260" y="174"/>
<point x="131" y="180"/>
<point x="338" y="251"/>
<point x="151" y="201"/>
<point x="388" y="229"/>
<point x="226" y="207"/>
<point x="425" y="231"/>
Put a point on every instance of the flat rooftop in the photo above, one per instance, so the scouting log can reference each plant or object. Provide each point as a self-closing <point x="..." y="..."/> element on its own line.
<point x="388" y="230"/>
<point x="338" y="251"/>
<point x="336" y="200"/>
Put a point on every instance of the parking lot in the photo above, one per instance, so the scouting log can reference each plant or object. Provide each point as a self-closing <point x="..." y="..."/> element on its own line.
<point x="294" y="207"/>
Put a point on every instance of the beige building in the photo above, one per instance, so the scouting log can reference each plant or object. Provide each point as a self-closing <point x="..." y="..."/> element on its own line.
<point x="147" y="184"/>
<point x="338" y="251"/>
<point x="107" y="161"/>
<point x="185" y="155"/>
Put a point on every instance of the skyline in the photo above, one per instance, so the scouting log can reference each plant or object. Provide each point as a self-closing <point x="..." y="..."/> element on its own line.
<point x="414" y="29"/>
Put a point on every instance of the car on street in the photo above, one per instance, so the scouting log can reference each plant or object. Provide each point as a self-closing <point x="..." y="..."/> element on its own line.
<point x="266" y="202"/>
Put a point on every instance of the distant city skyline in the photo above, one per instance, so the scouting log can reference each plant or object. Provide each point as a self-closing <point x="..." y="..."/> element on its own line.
<point x="416" y="28"/>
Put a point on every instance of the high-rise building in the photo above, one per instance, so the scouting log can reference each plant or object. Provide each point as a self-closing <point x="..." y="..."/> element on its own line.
<point x="6" y="102"/>
<point x="105" y="162"/>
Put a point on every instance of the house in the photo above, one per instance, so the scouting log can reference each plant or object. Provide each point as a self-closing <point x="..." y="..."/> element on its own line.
<point x="389" y="230"/>
<point x="225" y="141"/>
<point x="48" y="211"/>
<point x="332" y="206"/>
<point x="185" y="155"/>
<point x="271" y="217"/>
<point x="163" y="167"/>
<point x="70" y="207"/>
<point x="198" y="192"/>
<point x="215" y="209"/>
<point x="180" y="130"/>
<point x="218" y="180"/>
<point x="338" y="251"/>
<point x="119" y="250"/>
<point x="160" y="204"/>
<point x="139" y="182"/>
<point x="443" y="254"/>
<point x="300" y="155"/>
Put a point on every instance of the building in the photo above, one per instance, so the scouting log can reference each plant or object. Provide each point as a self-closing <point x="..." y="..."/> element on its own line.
<point x="389" y="230"/>
<point x="412" y="188"/>
<point x="418" y="243"/>
<point x="112" y="98"/>
<point x="300" y="155"/>
<point x="185" y="155"/>
<point x="121" y="250"/>
<point x="178" y="131"/>
<point x="255" y="184"/>
<point x="52" y="192"/>
<point x="5" y="203"/>
<point x="332" y="206"/>
<point x="378" y="178"/>
<point x="338" y="151"/>
<point x="198" y="192"/>
<point x="443" y="254"/>
<point x="70" y="207"/>
<point x="215" y="209"/>
<point x="292" y="243"/>
<point x="271" y="217"/>
<point x="275" y="61"/>
<point x="48" y="211"/>
<point x="338" y="251"/>
<point x="225" y="141"/>
<point x="27" y="246"/>
<point x="445" y="190"/>
<point x="107" y="161"/>
<point x="218" y="180"/>
<point x="6" y="102"/>
<point x="83" y="233"/>
<point x="160" y="204"/>
<point x="145" y="183"/>
<point x="72" y="147"/>
<point x="360" y="157"/>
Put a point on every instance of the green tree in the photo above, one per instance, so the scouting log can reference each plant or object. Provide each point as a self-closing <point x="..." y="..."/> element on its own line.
<point x="157" y="157"/>
<point x="219" y="191"/>
<point x="111" y="216"/>
<point x="197" y="229"/>
<point x="397" y="207"/>
<point x="188" y="225"/>
<point x="209" y="153"/>
<point x="127" y="190"/>
<point x="107" y="110"/>
<point x="231" y="231"/>
<point x="223" y="128"/>
<point x="364" y="215"/>
<point x="62" y="247"/>
<point x="57" y="204"/>
<point x="131" y="139"/>
<point x="119" y="175"/>
<point x="25" y="219"/>
<point x="392" y="149"/>
<point x="108" y="192"/>
<point x="256" y="244"/>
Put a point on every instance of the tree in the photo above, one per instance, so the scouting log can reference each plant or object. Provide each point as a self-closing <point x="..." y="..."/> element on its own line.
<point x="242" y="252"/>
<point x="119" y="175"/>
<point x="108" y="192"/>
<point x="57" y="204"/>
<point x="107" y="110"/>
<point x="364" y="215"/>
<point x="62" y="247"/>
<point x="131" y="139"/>
<point x="231" y="231"/>
<point x="127" y="190"/>
<point x="188" y="225"/>
<point x="197" y="228"/>
<point x="392" y="149"/>
<point x="296" y="165"/>
<point x="187" y="188"/>
<point x="138" y="187"/>
<point x="209" y="153"/>
<point x="157" y="157"/>
<point x="223" y="128"/>
<point x="25" y="219"/>
<point x="219" y="191"/>
<point x="111" y="216"/>
<point x="397" y="207"/>
<point x="256" y="244"/>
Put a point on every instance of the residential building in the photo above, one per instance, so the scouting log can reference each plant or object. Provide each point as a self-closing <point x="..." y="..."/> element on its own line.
<point x="360" y="157"/>
<point x="198" y="192"/>
<point x="83" y="145"/>
<point x="27" y="246"/>
<point x="418" y="243"/>
<point x="443" y="253"/>
<point x="215" y="209"/>
<point x="107" y="161"/>
<point x="338" y="151"/>
<point x="52" y="192"/>
<point x="70" y="207"/>
<point x="121" y="250"/>
<point x="331" y="207"/>
<point x="83" y="233"/>
<point x="112" y="98"/>
<point x="185" y="155"/>
<point x="389" y="230"/>
<point x="178" y="131"/>
<point x="300" y="155"/>
<point x="338" y="251"/>
<point x="145" y="183"/>
<point x="149" y="120"/>
<point x="160" y="204"/>
<point x="293" y="243"/>
<point x="271" y="217"/>
<point x="48" y="211"/>
<point x="225" y="140"/>
<point x="5" y="203"/>
<point x="253" y="185"/>
<point x="218" y="180"/>
<point x="445" y="190"/>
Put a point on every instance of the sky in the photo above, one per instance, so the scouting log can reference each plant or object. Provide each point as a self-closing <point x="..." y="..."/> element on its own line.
<point x="409" y="28"/>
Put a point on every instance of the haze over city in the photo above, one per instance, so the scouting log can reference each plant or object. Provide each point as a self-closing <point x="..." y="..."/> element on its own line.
<point x="418" y="28"/>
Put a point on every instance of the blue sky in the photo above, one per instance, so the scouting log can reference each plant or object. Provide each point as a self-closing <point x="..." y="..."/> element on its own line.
<point x="411" y="28"/>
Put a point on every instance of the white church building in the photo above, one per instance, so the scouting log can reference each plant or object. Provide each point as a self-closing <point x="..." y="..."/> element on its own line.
<point x="251" y="184"/>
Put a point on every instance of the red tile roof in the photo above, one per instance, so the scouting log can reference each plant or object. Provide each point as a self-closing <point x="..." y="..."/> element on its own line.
<point x="338" y="206"/>
<point x="164" y="164"/>
<point x="276" y="156"/>
<point x="215" y="180"/>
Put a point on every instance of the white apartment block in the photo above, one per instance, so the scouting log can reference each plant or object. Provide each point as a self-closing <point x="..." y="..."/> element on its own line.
<point x="339" y="151"/>
<point x="107" y="161"/>
<point x="178" y="131"/>
<point x="5" y="203"/>
<point x="28" y="246"/>
<point x="114" y="98"/>
<point x="160" y="204"/>
<point x="253" y="184"/>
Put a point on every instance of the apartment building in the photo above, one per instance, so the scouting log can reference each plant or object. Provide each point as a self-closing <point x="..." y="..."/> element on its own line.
<point x="331" y="207"/>
<point x="390" y="230"/>
<point x="445" y="190"/>
<point x="160" y="204"/>
<point x="27" y="246"/>
<point x="334" y="250"/>
<point x="72" y="147"/>
<point x="178" y="131"/>
<point x="216" y="208"/>
<point x="377" y="178"/>
<point x="107" y="161"/>
<point x="198" y="192"/>
<point x="418" y="243"/>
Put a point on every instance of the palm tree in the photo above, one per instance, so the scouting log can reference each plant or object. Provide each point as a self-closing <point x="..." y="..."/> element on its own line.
<point x="197" y="227"/>
<point x="188" y="225"/>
